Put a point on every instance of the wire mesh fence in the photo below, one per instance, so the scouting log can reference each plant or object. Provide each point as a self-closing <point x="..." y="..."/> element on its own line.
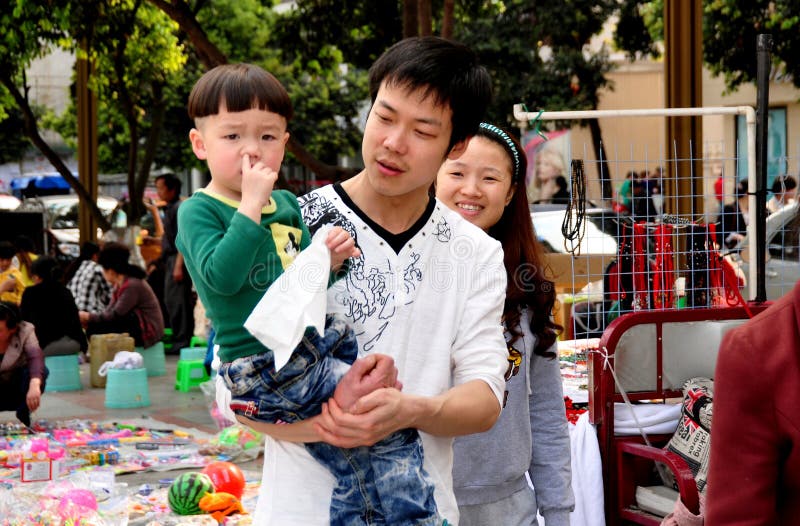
<point x="672" y="231"/>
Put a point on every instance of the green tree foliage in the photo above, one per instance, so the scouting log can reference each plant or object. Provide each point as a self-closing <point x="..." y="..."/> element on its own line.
<point x="30" y="30"/>
<point x="640" y="26"/>
<point x="730" y="29"/>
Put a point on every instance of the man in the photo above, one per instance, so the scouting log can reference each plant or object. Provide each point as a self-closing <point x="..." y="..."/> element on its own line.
<point x="428" y="289"/>
<point x="178" y="296"/>
<point x="754" y="473"/>
<point x="784" y="192"/>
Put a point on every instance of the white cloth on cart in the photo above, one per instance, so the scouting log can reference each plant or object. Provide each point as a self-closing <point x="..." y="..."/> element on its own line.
<point x="587" y="475"/>
<point x="587" y="469"/>
<point x="654" y="418"/>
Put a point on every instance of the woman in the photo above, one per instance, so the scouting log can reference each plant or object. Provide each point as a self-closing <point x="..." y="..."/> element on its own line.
<point x="22" y="371"/>
<point x="58" y="335"/>
<point x="486" y="186"/>
<point x="134" y="307"/>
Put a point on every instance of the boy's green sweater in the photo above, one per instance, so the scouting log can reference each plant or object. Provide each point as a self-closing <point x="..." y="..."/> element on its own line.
<point x="233" y="260"/>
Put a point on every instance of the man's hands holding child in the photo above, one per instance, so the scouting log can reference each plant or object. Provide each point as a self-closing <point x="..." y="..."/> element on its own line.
<point x="258" y="179"/>
<point x="366" y="406"/>
<point x="341" y="245"/>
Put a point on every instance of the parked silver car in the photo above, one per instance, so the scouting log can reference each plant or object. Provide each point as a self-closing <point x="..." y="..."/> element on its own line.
<point x="782" y="269"/>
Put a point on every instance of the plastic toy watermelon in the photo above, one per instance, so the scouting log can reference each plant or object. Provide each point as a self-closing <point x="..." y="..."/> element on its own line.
<point x="186" y="491"/>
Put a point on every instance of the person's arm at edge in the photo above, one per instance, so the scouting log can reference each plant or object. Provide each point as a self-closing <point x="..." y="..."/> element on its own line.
<point x="745" y="446"/>
<point x="36" y="366"/>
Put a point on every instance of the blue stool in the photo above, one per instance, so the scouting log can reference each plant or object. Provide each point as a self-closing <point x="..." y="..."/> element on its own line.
<point x="154" y="360"/>
<point x="65" y="374"/>
<point x="127" y="388"/>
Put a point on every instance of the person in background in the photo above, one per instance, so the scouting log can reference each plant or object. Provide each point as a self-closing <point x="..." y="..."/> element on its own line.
<point x="179" y="298"/>
<point x="733" y="220"/>
<point x="87" y="283"/>
<point x="562" y="195"/>
<point x="550" y="166"/>
<point x="642" y="208"/>
<point x="754" y="470"/>
<point x="11" y="284"/>
<point x="623" y="203"/>
<point x="25" y="256"/>
<point x="133" y="308"/>
<point x="486" y="186"/>
<point x="23" y="374"/>
<point x="784" y="190"/>
<point x="50" y="307"/>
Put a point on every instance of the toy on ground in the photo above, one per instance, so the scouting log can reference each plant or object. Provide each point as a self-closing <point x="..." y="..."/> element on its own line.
<point x="186" y="491"/>
<point x="220" y="505"/>
<point x="77" y="504"/>
<point x="227" y="477"/>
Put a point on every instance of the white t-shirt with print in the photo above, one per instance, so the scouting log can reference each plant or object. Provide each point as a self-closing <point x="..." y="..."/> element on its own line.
<point x="435" y="308"/>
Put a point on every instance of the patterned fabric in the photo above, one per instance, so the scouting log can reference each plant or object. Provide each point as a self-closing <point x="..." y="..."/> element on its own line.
<point x="89" y="288"/>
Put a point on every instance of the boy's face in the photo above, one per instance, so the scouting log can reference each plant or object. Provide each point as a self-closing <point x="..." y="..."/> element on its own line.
<point x="5" y="263"/>
<point x="223" y="139"/>
<point x="405" y="141"/>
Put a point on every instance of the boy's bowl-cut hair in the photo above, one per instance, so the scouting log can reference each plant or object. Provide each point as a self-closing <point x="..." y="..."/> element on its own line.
<point x="241" y="87"/>
<point x="446" y="70"/>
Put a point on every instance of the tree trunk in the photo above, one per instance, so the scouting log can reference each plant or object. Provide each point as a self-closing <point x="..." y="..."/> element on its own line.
<point x="448" y="22"/>
<point x="136" y="208"/>
<point x="425" y="18"/>
<point x="600" y="154"/>
<point x="410" y="21"/>
<point x="32" y="132"/>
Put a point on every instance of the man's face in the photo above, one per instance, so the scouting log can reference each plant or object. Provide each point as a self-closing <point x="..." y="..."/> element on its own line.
<point x="164" y="193"/>
<point x="405" y="141"/>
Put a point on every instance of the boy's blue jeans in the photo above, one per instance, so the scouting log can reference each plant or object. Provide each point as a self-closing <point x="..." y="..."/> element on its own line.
<point x="384" y="484"/>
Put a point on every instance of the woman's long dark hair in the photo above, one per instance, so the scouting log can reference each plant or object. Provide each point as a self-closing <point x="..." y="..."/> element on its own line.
<point x="528" y="285"/>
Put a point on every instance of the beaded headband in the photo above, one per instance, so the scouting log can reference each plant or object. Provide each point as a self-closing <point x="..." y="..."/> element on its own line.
<point x="507" y="142"/>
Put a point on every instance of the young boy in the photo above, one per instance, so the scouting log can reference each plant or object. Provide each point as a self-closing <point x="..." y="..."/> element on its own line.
<point x="237" y="236"/>
<point x="428" y="289"/>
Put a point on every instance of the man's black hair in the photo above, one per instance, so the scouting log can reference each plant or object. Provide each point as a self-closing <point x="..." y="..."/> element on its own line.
<point x="445" y="70"/>
<point x="171" y="182"/>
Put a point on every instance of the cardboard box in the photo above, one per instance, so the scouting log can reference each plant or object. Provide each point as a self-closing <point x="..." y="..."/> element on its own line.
<point x="571" y="274"/>
<point x="36" y="468"/>
<point x="102" y="349"/>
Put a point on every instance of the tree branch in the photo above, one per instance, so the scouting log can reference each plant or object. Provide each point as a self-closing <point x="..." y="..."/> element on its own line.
<point x="32" y="132"/>
<point x="211" y="56"/>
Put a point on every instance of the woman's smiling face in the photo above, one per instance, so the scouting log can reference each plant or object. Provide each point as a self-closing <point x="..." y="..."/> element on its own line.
<point x="478" y="184"/>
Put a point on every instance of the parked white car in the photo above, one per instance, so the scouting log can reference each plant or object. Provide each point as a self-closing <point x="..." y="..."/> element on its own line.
<point x="61" y="219"/>
<point x="782" y="270"/>
<point x="599" y="236"/>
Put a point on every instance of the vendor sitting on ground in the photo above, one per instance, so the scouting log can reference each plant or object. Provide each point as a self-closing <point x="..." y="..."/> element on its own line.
<point x="134" y="307"/>
<point x="59" y="334"/>
<point x="22" y="371"/>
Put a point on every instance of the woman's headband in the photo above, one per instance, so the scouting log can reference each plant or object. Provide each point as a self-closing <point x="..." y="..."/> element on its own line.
<point x="508" y="143"/>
